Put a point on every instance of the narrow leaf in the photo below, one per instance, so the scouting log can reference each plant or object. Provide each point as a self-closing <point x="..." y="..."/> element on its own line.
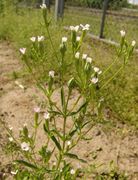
<point x="62" y="98"/>
<point x="27" y="164"/>
<point x="56" y="142"/>
<point x="83" y="106"/>
<point x="74" y="156"/>
<point x="57" y="133"/>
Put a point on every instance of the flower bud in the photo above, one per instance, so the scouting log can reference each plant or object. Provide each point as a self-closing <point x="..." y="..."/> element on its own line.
<point x="133" y="43"/>
<point x="84" y="56"/>
<point x="77" y="55"/>
<point x="51" y="74"/>
<point x="33" y="39"/>
<point x="89" y="60"/>
<point x="64" y="39"/>
<point x="94" y="80"/>
<point x="22" y="50"/>
<point x="123" y="33"/>
<point x="40" y="38"/>
<point x="43" y="6"/>
<point x="78" y="38"/>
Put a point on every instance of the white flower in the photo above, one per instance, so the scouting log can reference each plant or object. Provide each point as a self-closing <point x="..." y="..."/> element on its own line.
<point x="37" y="109"/>
<point x="68" y="143"/>
<point x="29" y="135"/>
<point x="123" y="33"/>
<point x="100" y="72"/>
<point x="133" y="43"/>
<point x="51" y="74"/>
<point x="22" y="50"/>
<point x="17" y="83"/>
<point x="14" y="172"/>
<point x="54" y="163"/>
<point x="84" y="56"/>
<point x="21" y="86"/>
<point x="25" y="125"/>
<point x="33" y="39"/>
<point x="40" y="38"/>
<point x="89" y="59"/>
<point x="74" y="28"/>
<point x="101" y="100"/>
<point x="61" y="170"/>
<point x="10" y="128"/>
<point x="78" y="38"/>
<point x="43" y="6"/>
<point x="94" y="80"/>
<point x="64" y="39"/>
<point x="72" y="171"/>
<point x="77" y="55"/>
<point x="10" y="139"/>
<point x="46" y="115"/>
<point x="25" y="146"/>
<point x="96" y="69"/>
<point x="85" y="27"/>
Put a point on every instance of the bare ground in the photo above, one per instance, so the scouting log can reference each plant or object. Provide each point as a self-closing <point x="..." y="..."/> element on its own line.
<point x="16" y="108"/>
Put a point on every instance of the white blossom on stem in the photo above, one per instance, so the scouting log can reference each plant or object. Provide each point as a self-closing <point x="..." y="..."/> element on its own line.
<point x="78" y="38"/>
<point x="40" y="38"/>
<point x="77" y="55"/>
<point x="33" y="39"/>
<point x="14" y="172"/>
<point x="46" y="116"/>
<point x="96" y="69"/>
<point x="10" y="139"/>
<point x="43" y="6"/>
<point x="85" y="27"/>
<point x="25" y="146"/>
<point x="68" y="143"/>
<point x="84" y="56"/>
<point x="89" y="60"/>
<point x="51" y="74"/>
<point x="94" y="80"/>
<point x="10" y="128"/>
<point x="22" y="50"/>
<point x="37" y="109"/>
<point x="74" y="28"/>
<point x="72" y="171"/>
<point x="133" y="43"/>
<point x="123" y="33"/>
<point x="64" y="39"/>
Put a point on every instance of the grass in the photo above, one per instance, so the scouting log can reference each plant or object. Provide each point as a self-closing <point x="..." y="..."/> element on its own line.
<point x="120" y="95"/>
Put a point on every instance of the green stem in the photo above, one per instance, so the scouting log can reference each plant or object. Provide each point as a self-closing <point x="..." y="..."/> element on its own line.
<point x="112" y="77"/>
<point x="109" y="67"/>
<point x="75" y="103"/>
<point x="52" y="43"/>
<point x="64" y="132"/>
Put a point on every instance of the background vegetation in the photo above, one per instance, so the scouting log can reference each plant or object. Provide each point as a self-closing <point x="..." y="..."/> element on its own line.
<point x="113" y="4"/>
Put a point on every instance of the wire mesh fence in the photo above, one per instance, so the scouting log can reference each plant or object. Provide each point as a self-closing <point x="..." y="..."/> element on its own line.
<point x="116" y="20"/>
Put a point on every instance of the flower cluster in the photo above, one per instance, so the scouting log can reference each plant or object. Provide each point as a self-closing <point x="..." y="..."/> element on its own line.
<point x="33" y="39"/>
<point x="38" y="38"/>
<point x="83" y="27"/>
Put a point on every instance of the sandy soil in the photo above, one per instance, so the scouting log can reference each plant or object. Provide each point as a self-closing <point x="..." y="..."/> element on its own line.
<point x="16" y="108"/>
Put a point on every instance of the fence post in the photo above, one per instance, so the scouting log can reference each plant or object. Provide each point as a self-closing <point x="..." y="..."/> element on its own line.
<point x="59" y="9"/>
<point x="105" y="6"/>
